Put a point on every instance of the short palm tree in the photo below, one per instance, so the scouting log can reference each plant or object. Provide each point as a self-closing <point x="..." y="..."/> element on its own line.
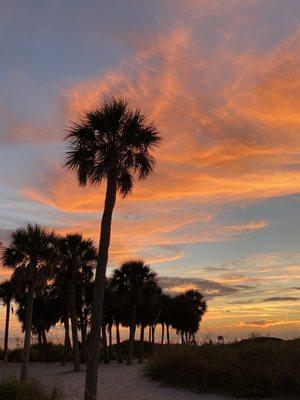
<point x="165" y="316"/>
<point x="148" y="312"/>
<point x="46" y="313"/>
<point x="188" y="310"/>
<point x="31" y="253"/>
<point x="109" y="143"/>
<point x="134" y="281"/>
<point x="6" y="295"/>
<point x="77" y="256"/>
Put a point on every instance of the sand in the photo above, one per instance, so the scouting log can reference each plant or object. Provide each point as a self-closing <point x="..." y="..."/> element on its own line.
<point x="116" y="382"/>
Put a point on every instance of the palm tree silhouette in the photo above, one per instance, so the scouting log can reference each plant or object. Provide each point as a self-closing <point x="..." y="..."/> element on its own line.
<point x="84" y="301"/>
<point x="32" y="254"/>
<point x="46" y="313"/>
<point x="109" y="143"/>
<point x="188" y="309"/>
<point x="148" y="312"/>
<point x="166" y="316"/>
<point x="7" y="292"/>
<point x="133" y="281"/>
<point x="77" y="255"/>
<point x="59" y="289"/>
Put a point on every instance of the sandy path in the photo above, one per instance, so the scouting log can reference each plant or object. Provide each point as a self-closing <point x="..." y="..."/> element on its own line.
<point x="116" y="382"/>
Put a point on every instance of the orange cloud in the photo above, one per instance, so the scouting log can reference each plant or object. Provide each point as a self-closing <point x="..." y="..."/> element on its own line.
<point x="267" y="323"/>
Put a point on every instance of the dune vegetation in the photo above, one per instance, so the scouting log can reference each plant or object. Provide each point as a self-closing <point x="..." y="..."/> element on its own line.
<point x="251" y="368"/>
<point x="13" y="389"/>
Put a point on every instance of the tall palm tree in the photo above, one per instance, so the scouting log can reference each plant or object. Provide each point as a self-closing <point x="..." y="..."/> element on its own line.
<point x="77" y="255"/>
<point x="109" y="143"/>
<point x="134" y="281"/>
<point x="6" y="295"/>
<point x="31" y="253"/>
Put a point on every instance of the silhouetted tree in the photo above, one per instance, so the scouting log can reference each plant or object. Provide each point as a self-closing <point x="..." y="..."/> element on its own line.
<point x="133" y="280"/>
<point x="166" y="315"/>
<point x="84" y="301"/>
<point x="32" y="254"/>
<point x="111" y="142"/>
<point x="7" y="292"/>
<point x="188" y="309"/>
<point x="46" y="313"/>
<point x="60" y="289"/>
<point x="77" y="255"/>
<point x="148" y="312"/>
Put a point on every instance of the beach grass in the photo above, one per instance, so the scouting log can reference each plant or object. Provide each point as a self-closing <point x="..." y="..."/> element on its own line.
<point x="12" y="389"/>
<point x="252" y="369"/>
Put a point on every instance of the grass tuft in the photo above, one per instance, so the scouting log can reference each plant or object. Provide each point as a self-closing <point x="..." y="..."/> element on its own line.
<point x="13" y="389"/>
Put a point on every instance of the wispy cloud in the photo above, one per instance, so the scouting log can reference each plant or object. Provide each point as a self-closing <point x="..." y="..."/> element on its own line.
<point x="176" y="285"/>
<point x="283" y="298"/>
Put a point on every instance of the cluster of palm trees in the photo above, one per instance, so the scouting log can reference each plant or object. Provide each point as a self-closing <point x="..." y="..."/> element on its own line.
<point x="63" y="284"/>
<point x="111" y="143"/>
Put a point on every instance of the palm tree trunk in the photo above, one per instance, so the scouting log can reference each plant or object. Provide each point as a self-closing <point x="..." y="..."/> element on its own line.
<point x="131" y="335"/>
<point x="104" y="345"/>
<point x="74" y="328"/>
<point x="83" y="342"/>
<point x="28" y="321"/>
<point x="45" y="345"/>
<point x="168" y="334"/>
<point x="153" y="334"/>
<point x="67" y="344"/>
<point x="6" y="331"/>
<point x="182" y="338"/>
<point x="40" y="344"/>
<point x="99" y="287"/>
<point x="118" y="343"/>
<point x="142" y="344"/>
<point x="162" y="333"/>
<point x="110" y="340"/>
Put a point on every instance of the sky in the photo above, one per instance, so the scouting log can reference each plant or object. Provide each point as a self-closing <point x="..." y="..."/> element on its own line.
<point x="221" y="79"/>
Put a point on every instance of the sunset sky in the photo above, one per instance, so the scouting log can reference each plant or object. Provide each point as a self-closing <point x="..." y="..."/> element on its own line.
<point x="221" y="79"/>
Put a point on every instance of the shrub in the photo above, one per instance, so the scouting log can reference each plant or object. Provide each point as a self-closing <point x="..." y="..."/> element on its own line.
<point x="30" y="390"/>
<point x="55" y="353"/>
<point x="242" y="370"/>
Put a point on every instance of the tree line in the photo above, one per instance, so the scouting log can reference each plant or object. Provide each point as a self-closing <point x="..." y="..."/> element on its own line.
<point x="58" y="288"/>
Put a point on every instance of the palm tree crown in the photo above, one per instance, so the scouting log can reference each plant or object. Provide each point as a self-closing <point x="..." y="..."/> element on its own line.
<point x="6" y="291"/>
<point x="112" y="140"/>
<point x="133" y="278"/>
<point x="31" y="246"/>
<point x="77" y="253"/>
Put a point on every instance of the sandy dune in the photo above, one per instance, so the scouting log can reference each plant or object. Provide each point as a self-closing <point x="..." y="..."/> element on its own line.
<point x="116" y="382"/>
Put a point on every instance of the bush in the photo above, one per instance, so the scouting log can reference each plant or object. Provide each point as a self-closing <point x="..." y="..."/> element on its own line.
<point x="253" y="370"/>
<point x="149" y="349"/>
<point x="55" y="353"/>
<point x="30" y="390"/>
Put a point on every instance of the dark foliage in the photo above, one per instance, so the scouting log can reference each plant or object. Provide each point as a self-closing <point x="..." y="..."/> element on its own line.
<point x="29" y="390"/>
<point x="254" y="370"/>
